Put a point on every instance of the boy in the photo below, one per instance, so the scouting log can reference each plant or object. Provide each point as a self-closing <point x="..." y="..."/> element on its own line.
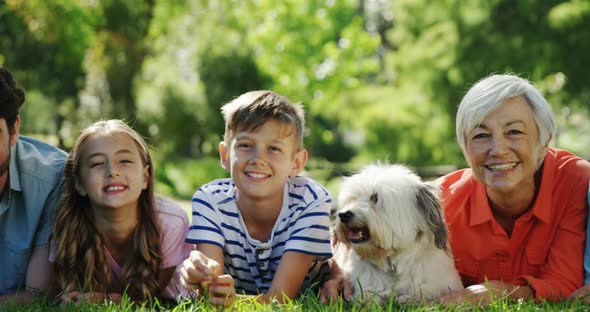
<point x="265" y="231"/>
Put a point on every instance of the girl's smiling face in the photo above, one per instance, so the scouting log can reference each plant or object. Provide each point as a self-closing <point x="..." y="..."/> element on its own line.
<point x="112" y="172"/>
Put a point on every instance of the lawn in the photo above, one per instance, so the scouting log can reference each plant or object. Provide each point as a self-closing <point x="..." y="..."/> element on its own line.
<point x="305" y="303"/>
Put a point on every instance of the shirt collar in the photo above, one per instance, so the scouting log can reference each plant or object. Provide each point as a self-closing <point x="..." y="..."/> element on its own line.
<point x="481" y="212"/>
<point x="480" y="207"/>
<point x="13" y="173"/>
<point x="542" y="206"/>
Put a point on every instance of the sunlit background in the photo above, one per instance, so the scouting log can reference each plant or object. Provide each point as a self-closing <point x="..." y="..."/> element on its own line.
<point x="380" y="80"/>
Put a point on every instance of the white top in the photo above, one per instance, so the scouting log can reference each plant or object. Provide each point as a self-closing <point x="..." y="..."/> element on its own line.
<point x="303" y="226"/>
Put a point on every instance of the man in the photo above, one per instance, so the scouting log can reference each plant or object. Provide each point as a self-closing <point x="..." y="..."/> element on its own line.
<point x="31" y="179"/>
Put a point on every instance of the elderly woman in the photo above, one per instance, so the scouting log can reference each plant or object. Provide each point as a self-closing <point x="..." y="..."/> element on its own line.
<point x="517" y="216"/>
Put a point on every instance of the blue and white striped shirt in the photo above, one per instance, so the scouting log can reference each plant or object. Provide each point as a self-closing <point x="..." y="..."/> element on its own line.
<point x="303" y="226"/>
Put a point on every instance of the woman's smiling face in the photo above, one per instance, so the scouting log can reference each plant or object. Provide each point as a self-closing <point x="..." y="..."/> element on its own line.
<point x="504" y="151"/>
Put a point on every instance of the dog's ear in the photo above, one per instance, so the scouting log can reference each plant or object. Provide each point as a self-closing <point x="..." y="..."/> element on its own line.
<point x="431" y="208"/>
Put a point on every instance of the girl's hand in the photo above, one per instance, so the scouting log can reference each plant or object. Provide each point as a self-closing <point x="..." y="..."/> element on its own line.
<point x="222" y="291"/>
<point x="198" y="270"/>
<point x="92" y="297"/>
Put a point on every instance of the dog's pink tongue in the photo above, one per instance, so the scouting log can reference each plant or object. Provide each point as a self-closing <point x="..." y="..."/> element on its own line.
<point x="355" y="235"/>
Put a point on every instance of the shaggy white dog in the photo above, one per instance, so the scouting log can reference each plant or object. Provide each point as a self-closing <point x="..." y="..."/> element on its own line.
<point x="393" y="227"/>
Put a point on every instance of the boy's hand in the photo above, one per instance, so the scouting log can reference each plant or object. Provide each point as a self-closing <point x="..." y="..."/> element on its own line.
<point x="222" y="290"/>
<point x="336" y="287"/>
<point x="198" y="270"/>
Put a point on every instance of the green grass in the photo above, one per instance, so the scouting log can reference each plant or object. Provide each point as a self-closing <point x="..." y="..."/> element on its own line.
<point x="305" y="303"/>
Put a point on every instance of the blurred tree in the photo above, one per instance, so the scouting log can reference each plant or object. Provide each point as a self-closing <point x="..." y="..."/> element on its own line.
<point x="44" y="43"/>
<point x="169" y="92"/>
<point x="318" y="53"/>
<point x="379" y="79"/>
<point x="447" y="45"/>
<point x="225" y="76"/>
<point x="112" y="63"/>
<point x="300" y="49"/>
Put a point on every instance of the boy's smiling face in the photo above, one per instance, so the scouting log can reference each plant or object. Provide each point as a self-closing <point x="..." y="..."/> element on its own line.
<point x="261" y="161"/>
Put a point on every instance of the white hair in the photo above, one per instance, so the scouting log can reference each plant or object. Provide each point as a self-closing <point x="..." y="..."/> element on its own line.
<point x="488" y="93"/>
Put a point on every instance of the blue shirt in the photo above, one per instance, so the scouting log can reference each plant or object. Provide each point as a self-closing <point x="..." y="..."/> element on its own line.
<point x="303" y="226"/>
<point x="587" y="252"/>
<point x="27" y="204"/>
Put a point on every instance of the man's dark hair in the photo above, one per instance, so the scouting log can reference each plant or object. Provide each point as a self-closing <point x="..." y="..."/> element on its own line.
<point x="11" y="98"/>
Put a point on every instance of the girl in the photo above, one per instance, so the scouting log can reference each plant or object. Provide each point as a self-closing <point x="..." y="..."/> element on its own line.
<point x="110" y="235"/>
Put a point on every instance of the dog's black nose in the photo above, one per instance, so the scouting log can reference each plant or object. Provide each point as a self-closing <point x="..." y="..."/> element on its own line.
<point x="345" y="216"/>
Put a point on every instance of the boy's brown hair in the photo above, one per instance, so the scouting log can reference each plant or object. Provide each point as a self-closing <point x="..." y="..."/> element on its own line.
<point x="251" y="110"/>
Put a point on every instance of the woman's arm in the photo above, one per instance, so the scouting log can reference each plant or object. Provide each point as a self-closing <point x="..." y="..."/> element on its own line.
<point x="482" y="294"/>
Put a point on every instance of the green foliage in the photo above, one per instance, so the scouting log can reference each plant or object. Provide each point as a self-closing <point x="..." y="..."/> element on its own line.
<point x="44" y="43"/>
<point x="39" y="111"/>
<point x="170" y="94"/>
<point x="178" y="132"/>
<point x="569" y="14"/>
<point x="225" y="75"/>
<point x="316" y="53"/>
<point x="442" y="48"/>
<point x="180" y="177"/>
<point x="380" y="80"/>
<point x="308" y="302"/>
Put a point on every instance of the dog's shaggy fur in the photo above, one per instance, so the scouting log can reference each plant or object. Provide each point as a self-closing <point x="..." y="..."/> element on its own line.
<point x="393" y="227"/>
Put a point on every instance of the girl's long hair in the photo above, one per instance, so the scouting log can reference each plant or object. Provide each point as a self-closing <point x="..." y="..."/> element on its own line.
<point x="80" y="262"/>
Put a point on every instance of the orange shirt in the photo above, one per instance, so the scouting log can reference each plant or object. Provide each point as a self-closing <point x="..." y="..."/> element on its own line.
<point x="546" y="247"/>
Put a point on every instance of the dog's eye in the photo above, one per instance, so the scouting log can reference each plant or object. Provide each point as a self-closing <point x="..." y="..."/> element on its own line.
<point x="374" y="198"/>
